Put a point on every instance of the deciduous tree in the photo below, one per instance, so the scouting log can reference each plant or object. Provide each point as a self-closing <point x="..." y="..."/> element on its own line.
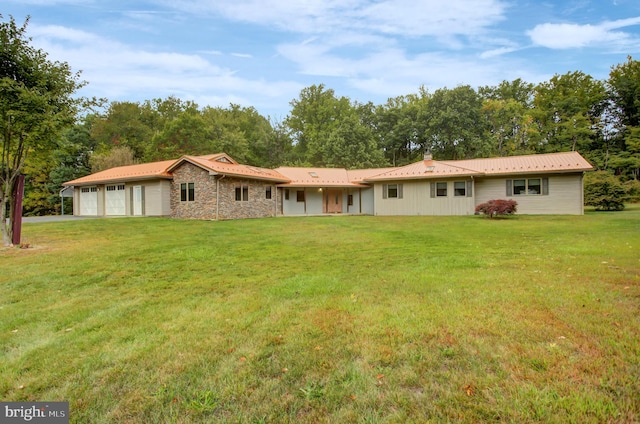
<point x="455" y="124"/>
<point x="36" y="104"/>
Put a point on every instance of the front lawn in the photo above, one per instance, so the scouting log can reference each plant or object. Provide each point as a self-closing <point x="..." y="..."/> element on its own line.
<point x="327" y="319"/>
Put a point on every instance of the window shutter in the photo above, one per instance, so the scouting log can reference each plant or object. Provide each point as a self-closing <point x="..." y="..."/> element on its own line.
<point x="384" y="191"/>
<point x="509" y="187"/>
<point x="399" y="191"/>
<point x="433" y="189"/>
<point x="545" y="186"/>
<point x="469" y="188"/>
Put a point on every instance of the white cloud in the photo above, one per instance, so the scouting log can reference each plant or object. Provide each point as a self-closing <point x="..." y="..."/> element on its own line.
<point x="498" y="52"/>
<point x="116" y="71"/>
<point x="394" y="17"/>
<point x="566" y="36"/>
<point x="391" y="71"/>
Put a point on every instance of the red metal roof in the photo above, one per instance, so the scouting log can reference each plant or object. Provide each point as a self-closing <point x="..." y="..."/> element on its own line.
<point x="544" y="163"/>
<point x="327" y="177"/>
<point x="220" y="163"/>
<point x="223" y="164"/>
<point x="126" y="173"/>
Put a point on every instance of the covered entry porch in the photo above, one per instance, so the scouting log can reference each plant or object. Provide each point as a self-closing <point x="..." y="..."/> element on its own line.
<point x="324" y="200"/>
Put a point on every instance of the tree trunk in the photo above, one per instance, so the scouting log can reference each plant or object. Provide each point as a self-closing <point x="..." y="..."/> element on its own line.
<point x="6" y="230"/>
<point x="6" y="222"/>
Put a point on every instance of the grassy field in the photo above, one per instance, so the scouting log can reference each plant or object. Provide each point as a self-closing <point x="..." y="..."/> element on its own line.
<point x="327" y="319"/>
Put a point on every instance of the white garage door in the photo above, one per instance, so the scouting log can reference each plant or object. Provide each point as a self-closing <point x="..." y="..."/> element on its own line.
<point x="115" y="200"/>
<point x="88" y="201"/>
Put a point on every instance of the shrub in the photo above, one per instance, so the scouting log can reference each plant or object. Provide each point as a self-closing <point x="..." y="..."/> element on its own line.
<point x="632" y="188"/>
<point x="604" y="191"/>
<point x="497" y="207"/>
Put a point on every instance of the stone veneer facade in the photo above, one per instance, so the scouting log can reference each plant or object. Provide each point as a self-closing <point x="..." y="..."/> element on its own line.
<point x="208" y="205"/>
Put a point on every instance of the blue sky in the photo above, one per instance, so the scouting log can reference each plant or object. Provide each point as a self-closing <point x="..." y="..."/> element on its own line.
<point x="261" y="53"/>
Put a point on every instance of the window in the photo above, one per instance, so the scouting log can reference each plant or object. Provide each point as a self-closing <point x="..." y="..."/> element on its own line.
<point x="111" y="188"/>
<point x="286" y="194"/>
<point x="531" y="187"/>
<point x="460" y="188"/>
<point x="187" y="192"/>
<point x="441" y="189"/>
<point x="84" y="190"/>
<point x="350" y="200"/>
<point x="519" y="187"/>
<point x="120" y="186"/>
<point x="392" y="191"/>
<point x="300" y="196"/>
<point x="242" y="193"/>
<point x="267" y="193"/>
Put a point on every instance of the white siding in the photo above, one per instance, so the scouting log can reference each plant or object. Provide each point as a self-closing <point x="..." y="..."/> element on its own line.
<point x="362" y="201"/>
<point x="313" y="201"/>
<point x="157" y="197"/>
<point x="368" y="203"/>
<point x="157" y="201"/>
<point x="565" y="194"/>
<point x="417" y="200"/>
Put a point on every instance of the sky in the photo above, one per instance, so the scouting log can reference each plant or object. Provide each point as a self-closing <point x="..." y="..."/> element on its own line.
<point x="262" y="53"/>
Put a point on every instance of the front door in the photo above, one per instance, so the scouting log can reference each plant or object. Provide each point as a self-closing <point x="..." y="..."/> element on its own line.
<point x="333" y="201"/>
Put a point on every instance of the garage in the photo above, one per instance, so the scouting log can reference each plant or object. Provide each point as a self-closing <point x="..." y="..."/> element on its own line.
<point x="115" y="200"/>
<point x="89" y="201"/>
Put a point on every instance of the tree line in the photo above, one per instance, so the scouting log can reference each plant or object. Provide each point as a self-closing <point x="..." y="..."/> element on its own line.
<point x="573" y="111"/>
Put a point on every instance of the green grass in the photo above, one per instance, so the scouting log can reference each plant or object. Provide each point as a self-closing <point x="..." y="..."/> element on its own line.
<point x="337" y="320"/>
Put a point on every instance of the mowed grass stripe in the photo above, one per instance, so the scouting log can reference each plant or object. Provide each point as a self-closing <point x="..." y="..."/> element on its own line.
<point x="327" y="319"/>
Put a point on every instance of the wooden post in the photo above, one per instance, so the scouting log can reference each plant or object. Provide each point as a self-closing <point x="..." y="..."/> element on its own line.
<point x="17" y="210"/>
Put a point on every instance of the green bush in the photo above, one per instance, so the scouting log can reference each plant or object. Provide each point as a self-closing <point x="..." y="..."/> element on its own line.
<point x="632" y="188"/>
<point x="604" y="191"/>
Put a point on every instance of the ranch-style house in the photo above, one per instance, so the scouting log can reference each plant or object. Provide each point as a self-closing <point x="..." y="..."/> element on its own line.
<point x="216" y="187"/>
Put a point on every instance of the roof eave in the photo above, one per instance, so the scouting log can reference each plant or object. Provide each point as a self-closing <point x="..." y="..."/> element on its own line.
<point x="537" y="172"/>
<point x="117" y="180"/>
<point x="424" y="177"/>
